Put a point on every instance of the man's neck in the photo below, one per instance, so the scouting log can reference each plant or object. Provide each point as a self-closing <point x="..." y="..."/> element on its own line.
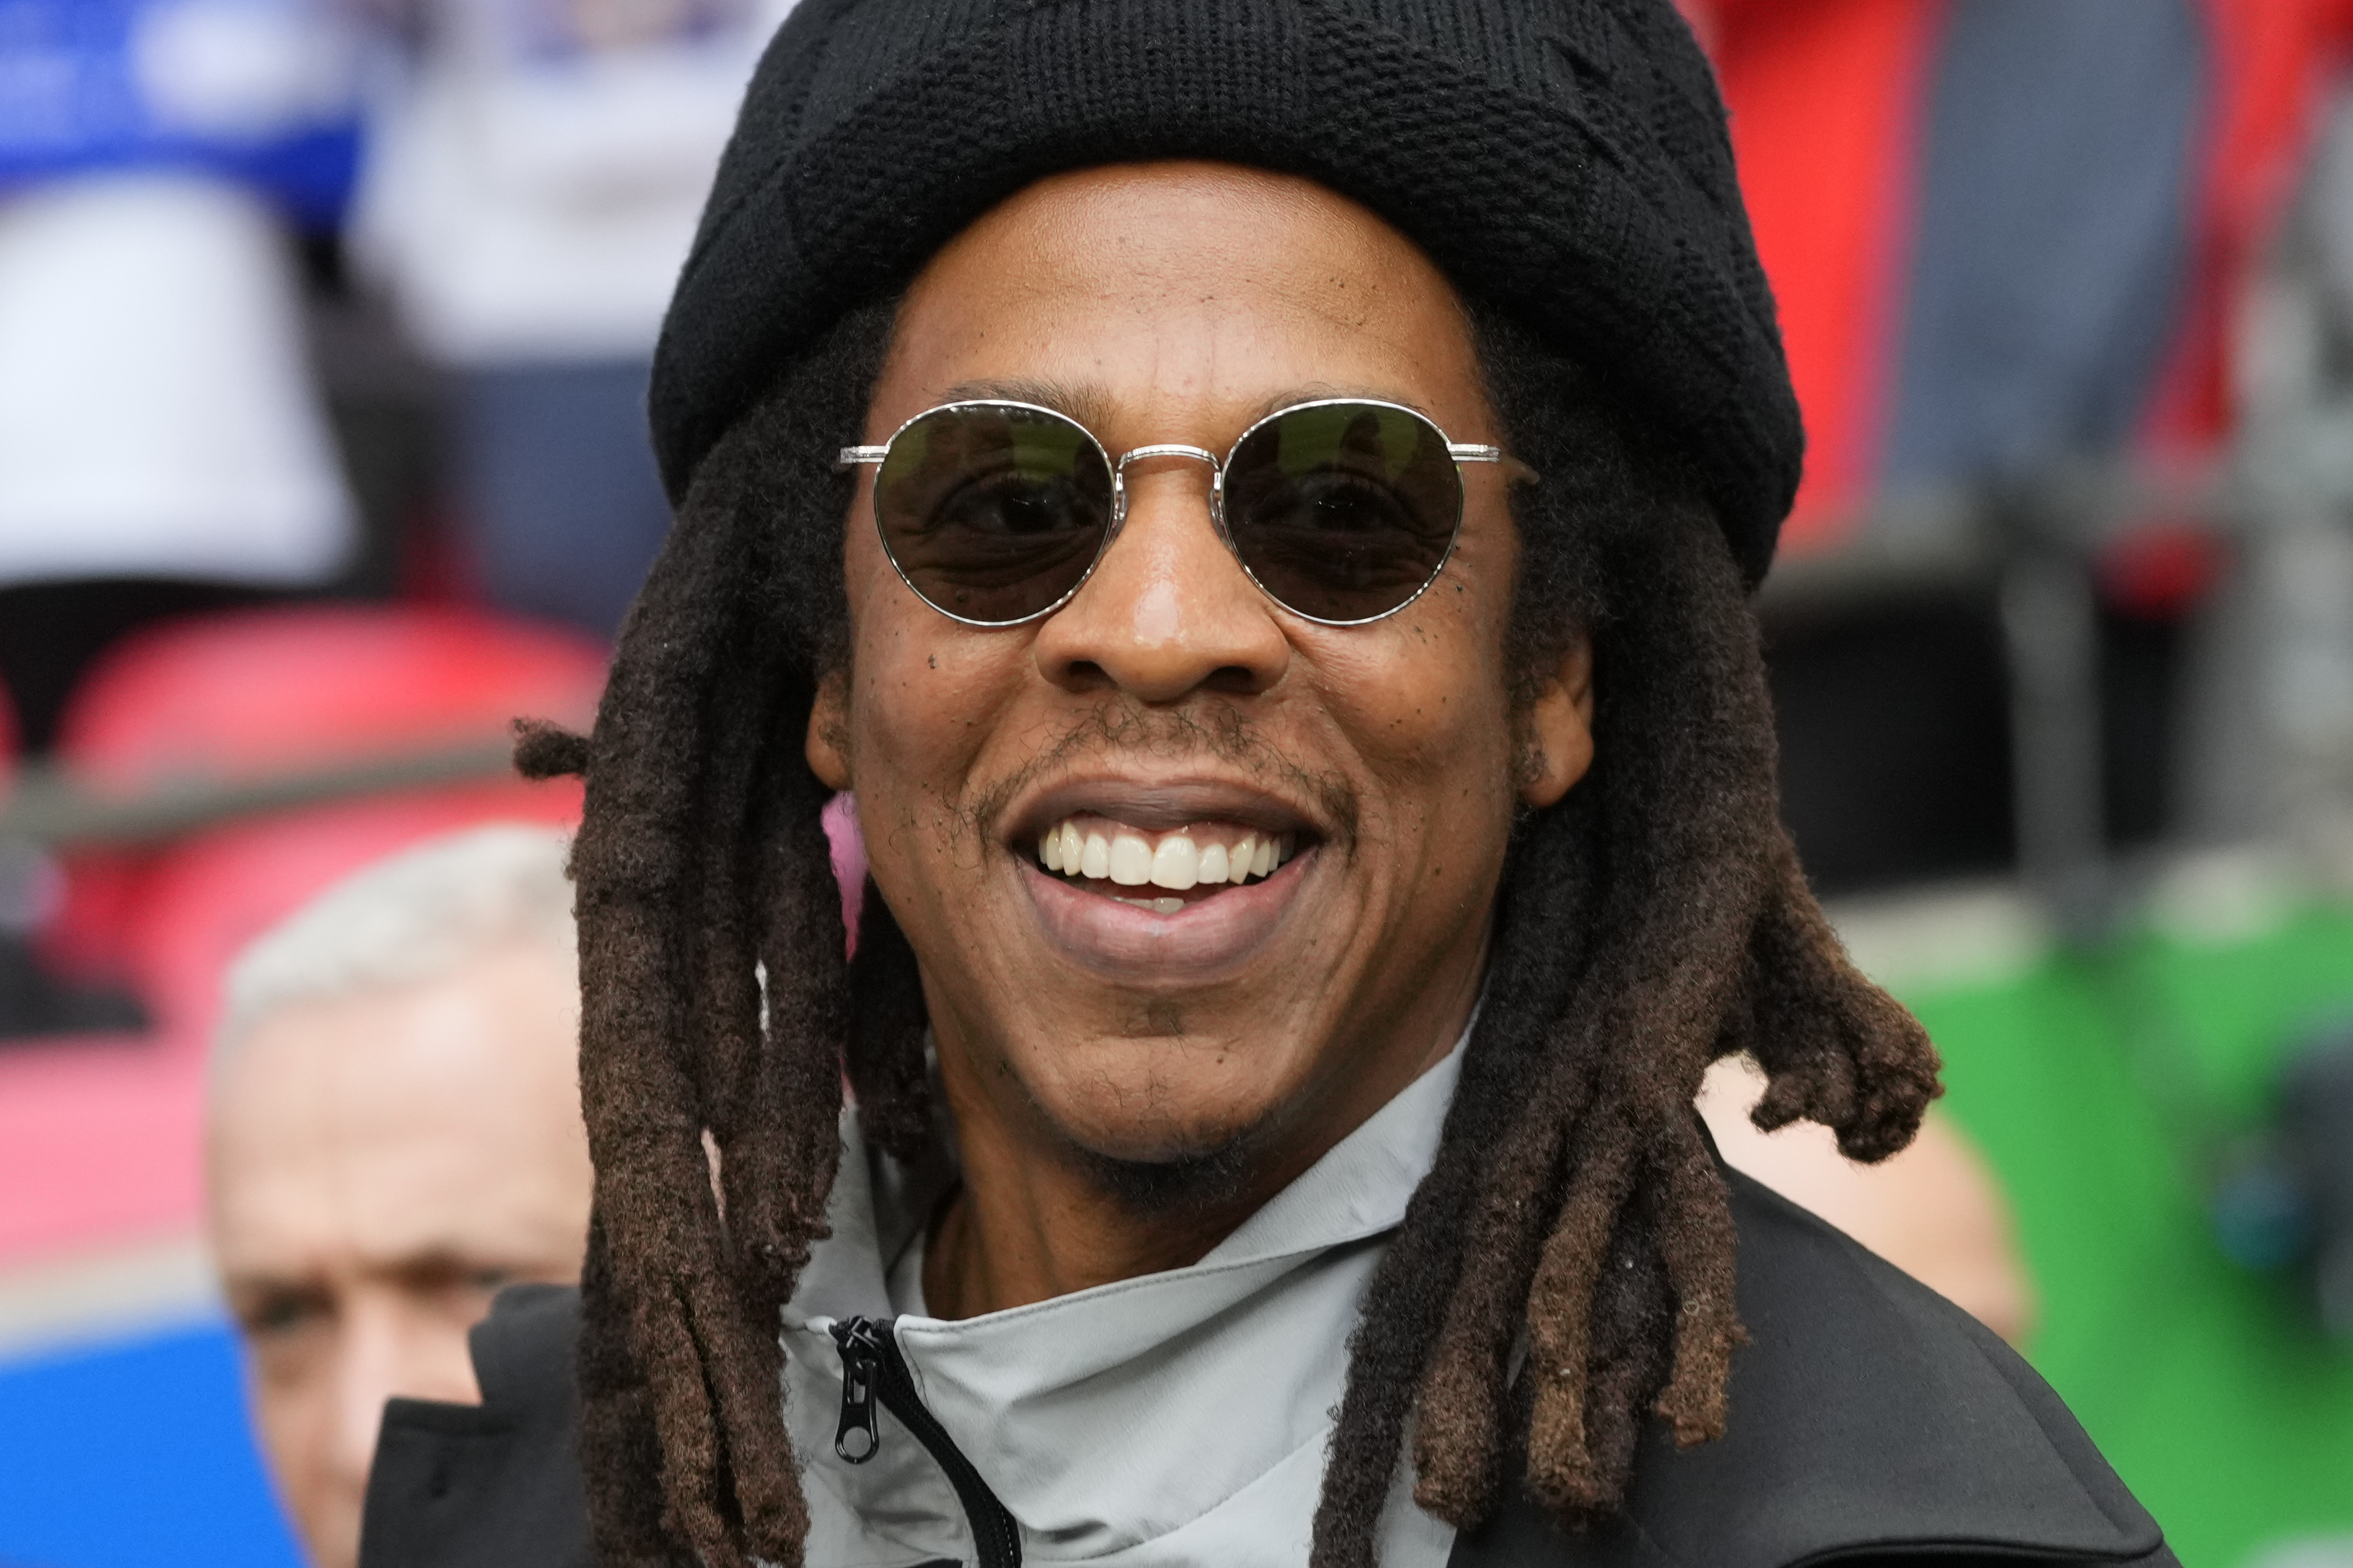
<point x="1035" y="1219"/>
<point x="1056" y="1230"/>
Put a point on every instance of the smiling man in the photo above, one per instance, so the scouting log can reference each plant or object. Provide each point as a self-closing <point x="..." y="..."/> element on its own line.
<point x="1256" y="502"/>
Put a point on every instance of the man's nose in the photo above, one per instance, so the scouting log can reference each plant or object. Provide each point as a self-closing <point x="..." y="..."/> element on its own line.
<point x="1168" y="610"/>
<point x="389" y="1348"/>
<point x="368" y="1371"/>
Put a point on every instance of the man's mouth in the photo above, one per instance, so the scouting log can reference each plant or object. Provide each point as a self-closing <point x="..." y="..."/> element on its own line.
<point x="1180" y="865"/>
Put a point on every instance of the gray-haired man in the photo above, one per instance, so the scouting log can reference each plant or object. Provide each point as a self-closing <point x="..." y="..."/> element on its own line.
<point x="394" y="1135"/>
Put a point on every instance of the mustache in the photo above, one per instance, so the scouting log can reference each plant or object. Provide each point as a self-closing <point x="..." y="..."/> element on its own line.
<point x="1123" y="728"/>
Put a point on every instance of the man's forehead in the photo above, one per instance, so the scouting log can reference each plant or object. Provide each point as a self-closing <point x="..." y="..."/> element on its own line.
<point x="1166" y="261"/>
<point x="392" y="1205"/>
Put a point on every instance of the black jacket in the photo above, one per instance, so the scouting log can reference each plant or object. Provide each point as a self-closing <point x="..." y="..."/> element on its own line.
<point x="1874" y="1423"/>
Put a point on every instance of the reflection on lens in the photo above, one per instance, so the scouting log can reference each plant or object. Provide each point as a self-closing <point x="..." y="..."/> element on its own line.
<point x="1343" y="511"/>
<point x="993" y="511"/>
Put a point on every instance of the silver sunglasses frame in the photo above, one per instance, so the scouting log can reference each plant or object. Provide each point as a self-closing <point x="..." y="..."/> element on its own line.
<point x="1461" y="451"/>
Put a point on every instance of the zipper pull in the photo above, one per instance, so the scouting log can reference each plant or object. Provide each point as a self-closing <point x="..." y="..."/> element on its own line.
<point x="861" y="1357"/>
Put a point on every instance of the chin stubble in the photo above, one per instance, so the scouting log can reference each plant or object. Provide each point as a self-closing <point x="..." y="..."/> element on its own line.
<point x="1200" y="1183"/>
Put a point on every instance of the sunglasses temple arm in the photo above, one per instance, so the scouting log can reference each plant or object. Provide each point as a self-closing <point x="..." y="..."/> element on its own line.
<point x="852" y="457"/>
<point x="1467" y="452"/>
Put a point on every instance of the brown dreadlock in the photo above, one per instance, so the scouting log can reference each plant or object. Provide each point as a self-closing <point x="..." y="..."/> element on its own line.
<point x="1654" y="920"/>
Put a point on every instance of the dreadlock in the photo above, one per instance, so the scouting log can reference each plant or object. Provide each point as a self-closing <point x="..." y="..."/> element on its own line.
<point x="1653" y="920"/>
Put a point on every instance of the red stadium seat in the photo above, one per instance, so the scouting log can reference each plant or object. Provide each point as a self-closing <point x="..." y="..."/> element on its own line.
<point x="202" y="901"/>
<point x="100" y="1140"/>
<point x="238" y="695"/>
<point x="263" y="693"/>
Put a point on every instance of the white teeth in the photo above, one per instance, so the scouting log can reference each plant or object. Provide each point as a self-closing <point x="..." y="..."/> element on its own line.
<point x="1157" y="906"/>
<point x="1237" y="868"/>
<point x="1131" y="860"/>
<point x="1176" y="864"/>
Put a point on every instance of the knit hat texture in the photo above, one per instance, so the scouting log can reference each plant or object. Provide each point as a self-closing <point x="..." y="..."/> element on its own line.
<point x="1565" y="161"/>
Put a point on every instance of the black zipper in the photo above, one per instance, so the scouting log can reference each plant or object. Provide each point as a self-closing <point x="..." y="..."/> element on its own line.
<point x="873" y="1369"/>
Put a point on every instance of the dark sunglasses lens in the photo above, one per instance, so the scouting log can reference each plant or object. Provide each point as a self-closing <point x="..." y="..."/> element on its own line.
<point x="992" y="513"/>
<point x="1344" y="510"/>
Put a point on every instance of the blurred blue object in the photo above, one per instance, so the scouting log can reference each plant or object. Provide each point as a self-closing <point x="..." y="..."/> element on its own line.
<point x="2315" y="1132"/>
<point x="135" y="1453"/>
<point x="565" y="509"/>
<point x="261" y="92"/>
<point x="2261" y="1217"/>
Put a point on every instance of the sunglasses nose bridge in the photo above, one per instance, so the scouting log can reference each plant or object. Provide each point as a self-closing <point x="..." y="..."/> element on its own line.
<point x="1165" y="450"/>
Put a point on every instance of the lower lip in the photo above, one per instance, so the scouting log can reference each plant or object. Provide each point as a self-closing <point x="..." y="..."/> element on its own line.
<point x="1201" y="942"/>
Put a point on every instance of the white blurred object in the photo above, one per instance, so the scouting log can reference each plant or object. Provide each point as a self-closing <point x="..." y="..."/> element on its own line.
<point x="537" y="173"/>
<point x="157" y="417"/>
<point x="241" y="69"/>
<point x="56" y="1304"/>
<point x="1935" y="1211"/>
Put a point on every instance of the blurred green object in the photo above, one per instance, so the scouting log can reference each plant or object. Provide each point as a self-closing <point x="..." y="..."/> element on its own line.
<point x="2107" y="1089"/>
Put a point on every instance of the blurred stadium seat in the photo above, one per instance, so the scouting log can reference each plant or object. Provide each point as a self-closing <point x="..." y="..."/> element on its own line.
<point x="99" y="1137"/>
<point x="248" y="696"/>
<point x="201" y="902"/>
<point x="233" y="696"/>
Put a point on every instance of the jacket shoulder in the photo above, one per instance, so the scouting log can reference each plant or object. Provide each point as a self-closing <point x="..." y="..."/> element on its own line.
<point x="1870" y="1422"/>
<point x="494" y="1485"/>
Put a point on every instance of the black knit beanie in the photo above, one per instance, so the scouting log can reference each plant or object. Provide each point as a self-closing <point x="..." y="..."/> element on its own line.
<point x="1564" y="161"/>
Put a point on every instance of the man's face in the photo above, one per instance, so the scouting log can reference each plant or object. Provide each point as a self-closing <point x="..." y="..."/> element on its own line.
<point x="1180" y="303"/>
<point x="380" y="1165"/>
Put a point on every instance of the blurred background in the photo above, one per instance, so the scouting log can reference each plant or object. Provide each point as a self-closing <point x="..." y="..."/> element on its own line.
<point x="323" y="332"/>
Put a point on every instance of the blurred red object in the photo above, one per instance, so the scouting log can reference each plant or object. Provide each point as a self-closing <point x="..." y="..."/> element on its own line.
<point x="1825" y="98"/>
<point x="258" y="694"/>
<point x="199" y="905"/>
<point x="2162" y="571"/>
<point x="1829" y="102"/>
<point x="100" y="1141"/>
<point x="236" y="696"/>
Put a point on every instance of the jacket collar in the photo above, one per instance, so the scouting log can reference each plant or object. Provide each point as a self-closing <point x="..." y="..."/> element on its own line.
<point x="1869" y="1417"/>
<point x="1179" y="1417"/>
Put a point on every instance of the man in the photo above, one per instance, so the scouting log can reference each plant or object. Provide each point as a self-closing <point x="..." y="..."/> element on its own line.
<point x="1256" y="501"/>
<point x="393" y="1136"/>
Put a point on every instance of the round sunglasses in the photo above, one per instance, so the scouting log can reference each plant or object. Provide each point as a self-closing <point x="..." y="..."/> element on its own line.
<point x="1342" y="510"/>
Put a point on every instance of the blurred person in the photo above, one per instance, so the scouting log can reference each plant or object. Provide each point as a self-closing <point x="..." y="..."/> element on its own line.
<point x="1936" y="1211"/>
<point x="393" y="1134"/>
<point x="1967" y="315"/>
<point x="163" y="447"/>
<point x="536" y="170"/>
